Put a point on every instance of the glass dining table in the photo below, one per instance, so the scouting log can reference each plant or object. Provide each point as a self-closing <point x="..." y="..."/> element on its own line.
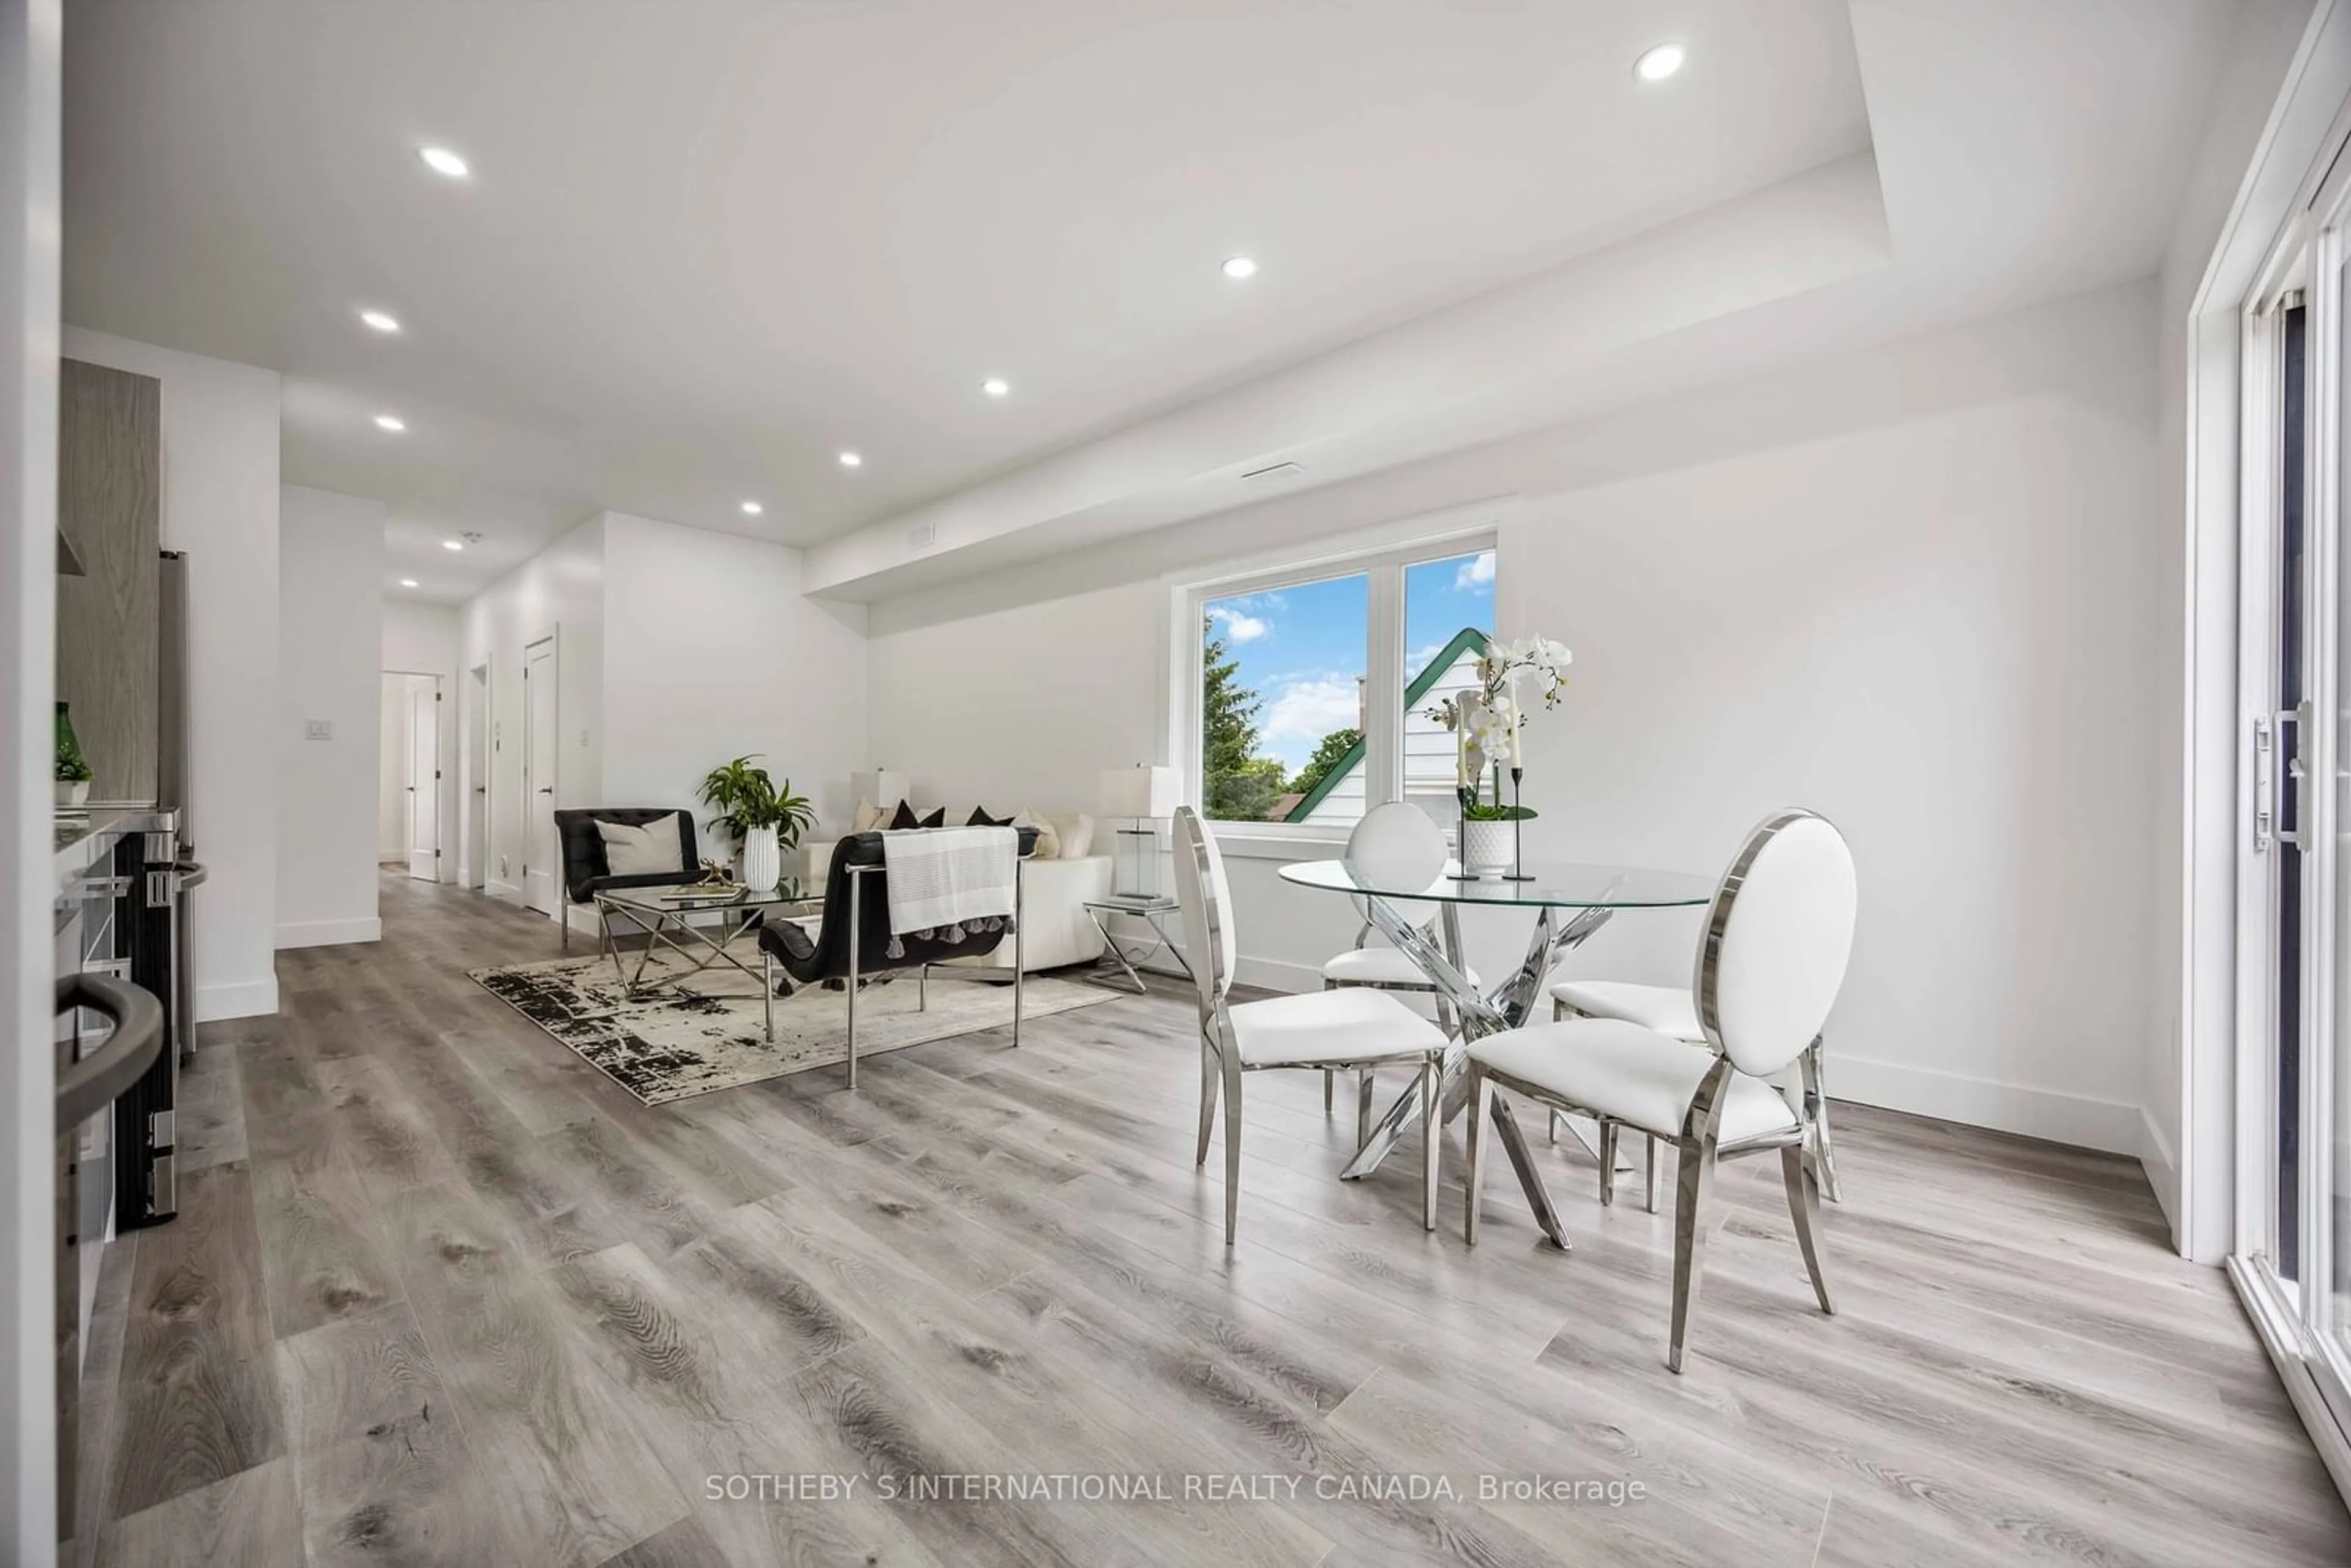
<point x="1567" y="903"/>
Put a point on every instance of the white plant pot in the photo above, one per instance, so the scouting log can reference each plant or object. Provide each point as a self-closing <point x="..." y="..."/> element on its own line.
<point x="763" y="860"/>
<point x="73" y="793"/>
<point x="1486" y="847"/>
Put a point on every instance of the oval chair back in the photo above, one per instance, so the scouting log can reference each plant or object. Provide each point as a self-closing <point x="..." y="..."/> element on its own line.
<point x="1208" y="901"/>
<point x="1394" y="846"/>
<point x="1777" y="938"/>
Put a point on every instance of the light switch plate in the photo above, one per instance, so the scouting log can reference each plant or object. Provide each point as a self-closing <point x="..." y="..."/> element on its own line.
<point x="318" y="729"/>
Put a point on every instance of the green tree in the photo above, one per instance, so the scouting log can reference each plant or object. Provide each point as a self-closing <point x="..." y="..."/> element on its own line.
<point x="1241" y="787"/>
<point x="1327" y="756"/>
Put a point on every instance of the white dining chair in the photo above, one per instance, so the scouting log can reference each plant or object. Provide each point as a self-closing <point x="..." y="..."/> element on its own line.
<point x="1344" y="1030"/>
<point x="1672" y="1011"/>
<point x="1396" y="845"/>
<point x="1769" y="963"/>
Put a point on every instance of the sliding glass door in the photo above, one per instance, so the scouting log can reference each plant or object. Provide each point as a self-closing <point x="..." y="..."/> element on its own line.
<point x="2293" y="1241"/>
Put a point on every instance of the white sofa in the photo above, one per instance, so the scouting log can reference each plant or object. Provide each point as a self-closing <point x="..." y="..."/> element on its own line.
<point x="1055" y="928"/>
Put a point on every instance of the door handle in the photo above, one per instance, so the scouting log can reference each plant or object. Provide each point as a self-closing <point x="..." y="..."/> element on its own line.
<point x="547" y="791"/>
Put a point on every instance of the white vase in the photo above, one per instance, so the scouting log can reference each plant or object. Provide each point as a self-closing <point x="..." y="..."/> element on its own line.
<point x="72" y="792"/>
<point x="763" y="860"/>
<point x="1486" y="847"/>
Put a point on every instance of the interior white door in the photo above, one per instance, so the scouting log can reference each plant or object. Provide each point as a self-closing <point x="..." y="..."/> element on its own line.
<point x="539" y="770"/>
<point x="425" y="780"/>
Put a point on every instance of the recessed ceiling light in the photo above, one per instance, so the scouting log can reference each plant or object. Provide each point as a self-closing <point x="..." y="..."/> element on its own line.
<point x="407" y="582"/>
<point x="382" y="320"/>
<point x="851" y="460"/>
<point x="752" y="508"/>
<point x="1660" y="62"/>
<point x="452" y="544"/>
<point x="392" y="421"/>
<point x="1239" y="267"/>
<point x="440" y="161"/>
<point x="996" y="386"/>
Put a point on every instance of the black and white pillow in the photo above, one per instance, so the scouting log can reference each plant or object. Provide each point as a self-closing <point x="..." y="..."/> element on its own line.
<point x="905" y="819"/>
<point x="980" y="819"/>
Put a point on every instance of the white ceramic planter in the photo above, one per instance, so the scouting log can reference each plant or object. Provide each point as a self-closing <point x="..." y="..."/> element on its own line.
<point x="73" y="793"/>
<point x="763" y="860"/>
<point x="1486" y="847"/>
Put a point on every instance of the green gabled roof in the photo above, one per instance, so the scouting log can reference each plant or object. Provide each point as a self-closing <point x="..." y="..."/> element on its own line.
<point x="1464" y="641"/>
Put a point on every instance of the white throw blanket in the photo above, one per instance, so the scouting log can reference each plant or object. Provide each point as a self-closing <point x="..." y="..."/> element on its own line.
<point x="948" y="883"/>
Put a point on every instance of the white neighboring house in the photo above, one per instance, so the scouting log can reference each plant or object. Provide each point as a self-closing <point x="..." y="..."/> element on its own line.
<point x="1428" y="750"/>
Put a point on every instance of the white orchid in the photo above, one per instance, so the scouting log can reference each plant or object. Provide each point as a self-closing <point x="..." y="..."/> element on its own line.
<point x="1485" y="722"/>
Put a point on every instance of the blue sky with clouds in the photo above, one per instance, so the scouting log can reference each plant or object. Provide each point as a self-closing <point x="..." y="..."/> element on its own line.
<point x="1302" y="649"/>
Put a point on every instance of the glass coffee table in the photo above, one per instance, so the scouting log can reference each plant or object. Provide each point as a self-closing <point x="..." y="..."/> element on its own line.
<point x="665" y="914"/>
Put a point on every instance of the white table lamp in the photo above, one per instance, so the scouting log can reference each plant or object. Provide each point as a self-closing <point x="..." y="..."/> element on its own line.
<point x="879" y="787"/>
<point x="1140" y="795"/>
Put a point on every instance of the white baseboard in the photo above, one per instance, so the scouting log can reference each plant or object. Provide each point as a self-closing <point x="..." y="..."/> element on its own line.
<point x="497" y="889"/>
<point x="2110" y="1125"/>
<point x="329" y="932"/>
<point x="239" y="999"/>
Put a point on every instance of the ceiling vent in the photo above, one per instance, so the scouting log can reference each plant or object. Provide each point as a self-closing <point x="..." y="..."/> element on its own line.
<point x="1273" y="471"/>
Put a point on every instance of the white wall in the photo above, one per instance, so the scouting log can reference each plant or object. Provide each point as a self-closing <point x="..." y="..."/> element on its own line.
<point x="219" y="505"/>
<point x="1022" y="708"/>
<point x="392" y="767"/>
<point x="711" y="652"/>
<point x="330" y="562"/>
<point x="559" y="588"/>
<point x="1916" y="589"/>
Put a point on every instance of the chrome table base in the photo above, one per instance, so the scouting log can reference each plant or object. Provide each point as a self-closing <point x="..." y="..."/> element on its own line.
<point x="1509" y="1006"/>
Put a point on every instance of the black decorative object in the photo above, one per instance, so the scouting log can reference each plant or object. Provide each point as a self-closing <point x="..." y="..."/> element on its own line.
<point x="1517" y="872"/>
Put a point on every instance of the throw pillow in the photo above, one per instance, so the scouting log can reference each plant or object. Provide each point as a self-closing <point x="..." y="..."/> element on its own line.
<point x="1048" y="842"/>
<point x="642" y="852"/>
<point x="1077" y="836"/>
<point x="906" y="819"/>
<point x="980" y="819"/>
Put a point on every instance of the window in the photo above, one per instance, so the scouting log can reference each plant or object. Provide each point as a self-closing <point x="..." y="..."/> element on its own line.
<point x="1306" y="689"/>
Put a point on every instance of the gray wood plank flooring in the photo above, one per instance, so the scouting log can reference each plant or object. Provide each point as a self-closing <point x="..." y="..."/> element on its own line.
<point x="440" y="1293"/>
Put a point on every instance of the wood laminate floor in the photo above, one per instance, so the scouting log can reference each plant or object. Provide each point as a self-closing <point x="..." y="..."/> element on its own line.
<point x="441" y="1293"/>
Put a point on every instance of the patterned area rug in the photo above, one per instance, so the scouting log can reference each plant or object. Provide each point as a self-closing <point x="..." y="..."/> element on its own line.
<point x="689" y="1035"/>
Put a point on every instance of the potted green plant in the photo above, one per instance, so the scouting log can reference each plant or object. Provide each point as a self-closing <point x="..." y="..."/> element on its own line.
<point x="1489" y="831"/>
<point x="74" y="771"/>
<point x="764" y="818"/>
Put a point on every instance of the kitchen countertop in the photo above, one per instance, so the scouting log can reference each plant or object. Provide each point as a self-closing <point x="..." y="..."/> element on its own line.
<point x="84" y="833"/>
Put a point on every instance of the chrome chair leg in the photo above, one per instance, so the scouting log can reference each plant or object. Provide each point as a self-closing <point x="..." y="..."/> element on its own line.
<point x="1608" y="1130"/>
<point x="923" y="988"/>
<point x="1232" y="1084"/>
<point x="1822" y="1152"/>
<point x="1553" y="1119"/>
<point x="1803" y="1208"/>
<point x="767" y="990"/>
<point x="1328" y="1077"/>
<point x="1480" y="1108"/>
<point x="1695" y="1177"/>
<point x="1649" y="1176"/>
<point x="1208" y="1074"/>
<point x="1432" y="1134"/>
<point x="1363" y="1090"/>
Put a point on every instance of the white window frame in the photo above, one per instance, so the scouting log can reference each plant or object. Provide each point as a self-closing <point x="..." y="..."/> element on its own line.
<point x="1383" y="559"/>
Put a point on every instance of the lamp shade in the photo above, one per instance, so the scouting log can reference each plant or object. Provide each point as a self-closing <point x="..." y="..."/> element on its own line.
<point x="1138" y="793"/>
<point x="879" y="787"/>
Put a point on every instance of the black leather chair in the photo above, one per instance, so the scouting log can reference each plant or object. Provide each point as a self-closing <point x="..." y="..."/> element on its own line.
<point x="586" y="873"/>
<point x="852" y="945"/>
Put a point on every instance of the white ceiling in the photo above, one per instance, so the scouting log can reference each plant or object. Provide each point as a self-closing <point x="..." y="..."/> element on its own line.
<point x="709" y="242"/>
